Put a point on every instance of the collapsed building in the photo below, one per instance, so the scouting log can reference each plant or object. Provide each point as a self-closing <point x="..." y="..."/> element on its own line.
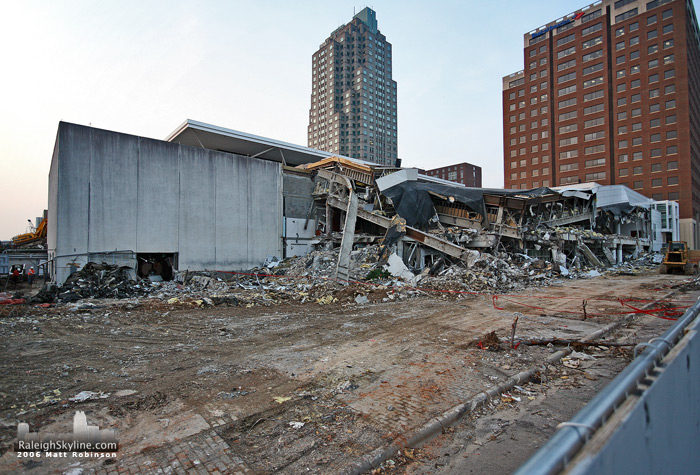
<point x="211" y="198"/>
<point x="428" y="219"/>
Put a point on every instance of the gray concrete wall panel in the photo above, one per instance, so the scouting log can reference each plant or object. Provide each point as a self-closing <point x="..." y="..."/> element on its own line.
<point x="216" y="210"/>
<point x="159" y="192"/>
<point x="232" y="177"/>
<point x="74" y="190"/>
<point x="265" y="192"/>
<point x="197" y="226"/>
<point x="113" y="192"/>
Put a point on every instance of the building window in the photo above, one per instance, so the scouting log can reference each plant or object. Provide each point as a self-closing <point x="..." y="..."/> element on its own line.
<point x="593" y="95"/>
<point x="594" y="136"/>
<point x="670" y="119"/>
<point x="673" y="196"/>
<point x="672" y="180"/>
<point x="566" y="52"/>
<point x="671" y="134"/>
<point x="598" y="162"/>
<point x="652" y="34"/>
<point x="653" y="63"/>
<point x="622" y="87"/>
<point x="595" y="176"/>
<point x="656" y="182"/>
<point x="655" y="167"/>
<point x="620" y="59"/>
<point x="620" y="130"/>
<point x="669" y="74"/>
<point x="592" y="42"/>
<point x="652" y="49"/>
<point x="653" y="93"/>
<point x="672" y="165"/>
<point x="566" y="65"/>
<point x="566" y="77"/>
<point x="653" y="78"/>
<point x="655" y="137"/>
<point x="635" y="83"/>
<point x="622" y="158"/>
<point x="566" y="39"/>
<point x="668" y="43"/>
<point x="624" y="16"/>
<point x="673" y="149"/>
<point x="655" y="152"/>
<point x="592" y="55"/>
<point x="667" y="28"/>
<point x="622" y="144"/>
<point x="623" y="172"/>
<point x="670" y="104"/>
<point x="670" y="89"/>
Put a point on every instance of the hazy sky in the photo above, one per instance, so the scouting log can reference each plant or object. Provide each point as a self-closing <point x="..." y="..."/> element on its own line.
<point x="143" y="67"/>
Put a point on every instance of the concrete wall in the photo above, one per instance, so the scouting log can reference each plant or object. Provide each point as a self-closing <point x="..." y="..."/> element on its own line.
<point x="115" y="192"/>
<point x="688" y="232"/>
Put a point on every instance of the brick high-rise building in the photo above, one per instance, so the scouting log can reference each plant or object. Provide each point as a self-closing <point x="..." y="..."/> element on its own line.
<point x="353" y="97"/>
<point x="610" y="93"/>
<point x="464" y="173"/>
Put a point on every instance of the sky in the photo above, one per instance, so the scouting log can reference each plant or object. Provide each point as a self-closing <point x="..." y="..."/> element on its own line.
<point x="143" y="68"/>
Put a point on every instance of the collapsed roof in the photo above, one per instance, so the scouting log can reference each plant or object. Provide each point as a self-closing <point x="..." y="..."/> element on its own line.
<point x="453" y="220"/>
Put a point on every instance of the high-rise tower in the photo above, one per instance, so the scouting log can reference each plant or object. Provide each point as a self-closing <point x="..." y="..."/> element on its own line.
<point x="353" y="95"/>
<point x="610" y="93"/>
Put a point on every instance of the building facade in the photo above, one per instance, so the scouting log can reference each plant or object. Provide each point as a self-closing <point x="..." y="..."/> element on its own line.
<point x="120" y="198"/>
<point x="610" y="93"/>
<point x="464" y="173"/>
<point x="353" y="96"/>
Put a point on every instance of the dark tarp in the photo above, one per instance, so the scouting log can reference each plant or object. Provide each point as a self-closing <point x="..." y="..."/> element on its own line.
<point x="412" y="200"/>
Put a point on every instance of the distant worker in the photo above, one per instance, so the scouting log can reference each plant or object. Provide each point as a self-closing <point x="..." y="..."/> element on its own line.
<point x="30" y="276"/>
<point x="15" y="277"/>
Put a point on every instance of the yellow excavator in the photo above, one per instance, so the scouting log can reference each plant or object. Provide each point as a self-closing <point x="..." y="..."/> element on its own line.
<point x="679" y="259"/>
<point x="31" y="237"/>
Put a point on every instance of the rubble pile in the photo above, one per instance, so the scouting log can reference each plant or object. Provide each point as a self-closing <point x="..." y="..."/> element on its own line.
<point x="310" y="279"/>
<point x="490" y="273"/>
<point x="94" y="281"/>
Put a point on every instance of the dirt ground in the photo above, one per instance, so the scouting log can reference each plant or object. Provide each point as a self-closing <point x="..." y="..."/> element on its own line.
<point x="312" y="387"/>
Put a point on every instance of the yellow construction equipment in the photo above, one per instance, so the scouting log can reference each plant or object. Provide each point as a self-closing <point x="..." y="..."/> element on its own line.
<point x="679" y="259"/>
<point x="32" y="236"/>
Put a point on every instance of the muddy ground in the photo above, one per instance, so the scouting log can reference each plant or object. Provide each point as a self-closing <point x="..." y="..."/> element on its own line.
<point x="312" y="387"/>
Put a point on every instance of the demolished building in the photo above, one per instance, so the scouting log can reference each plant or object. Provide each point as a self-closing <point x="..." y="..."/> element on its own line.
<point x="211" y="198"/>
<point x="428" y="219"/>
